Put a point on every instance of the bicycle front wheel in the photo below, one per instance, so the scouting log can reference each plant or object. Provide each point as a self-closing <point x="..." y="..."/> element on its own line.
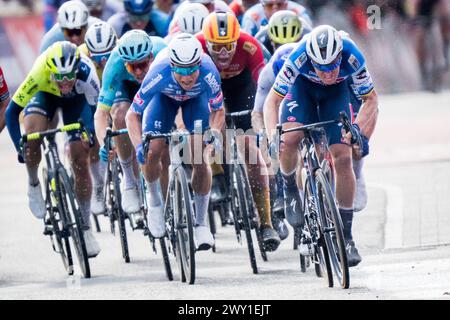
<point x="333" y="230"/>
<point x="73" y="219"/>
<point x="184" y="224"/>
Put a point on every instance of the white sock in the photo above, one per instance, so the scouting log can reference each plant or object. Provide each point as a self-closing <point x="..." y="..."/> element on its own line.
<point x="201" y="202"/>
<point x="154" y="190"/>
<point x="357" y="167"/>
<point x="98" y="170"/>
<point x="128" y="173"/>
<point x="33" y="179"/>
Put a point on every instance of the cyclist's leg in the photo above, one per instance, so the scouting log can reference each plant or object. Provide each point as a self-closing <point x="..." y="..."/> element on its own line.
<point x="159" y="117"/>
<point x="37" y="115"/>
<point x="335" y="99"/>
<point x="125" y="150"/>
<point x="297" y="108"/>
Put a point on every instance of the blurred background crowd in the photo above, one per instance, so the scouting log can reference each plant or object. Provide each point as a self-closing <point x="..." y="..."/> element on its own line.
<point x="405" y="41"/>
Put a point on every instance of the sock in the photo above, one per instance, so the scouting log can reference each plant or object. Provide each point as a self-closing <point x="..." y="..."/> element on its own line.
<point x="273" y="190"/>
<point x="98" y="170"/>
<point x="279" y="180"/>
<point x="154" y="190"/>
<point x="201" y="208"/>
<point x="85" y="210"/>
<point x="347" y="219"/>
<point x="262" y="202"/>
<point x="128" y="174"/>
<point x="289" y="181"/>
<point x="33" y="179"/>
<point x="357" y="167"/>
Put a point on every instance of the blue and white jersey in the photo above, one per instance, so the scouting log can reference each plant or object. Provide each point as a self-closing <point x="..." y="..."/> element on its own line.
<point x="156" y="26"/>
<point x="269" y="73"/>
<point x="56" y="34"/>
<point x="254" y="18"/>
<point x="298" y="64"/>
<point x="160" y="80"/>
<point x="115" y="73"/>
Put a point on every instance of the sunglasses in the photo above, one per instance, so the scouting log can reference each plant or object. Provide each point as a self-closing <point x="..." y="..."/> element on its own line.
<point x="99" y="58"/>
<point x="185" y="71"/>
<point x="132" y="67"/>
<point x="68" y="33"/>
<point x="328" y="67"/>
<point x="218" y="47"/>
<point x="65" y="76"/>
<point x="132" y="18"/>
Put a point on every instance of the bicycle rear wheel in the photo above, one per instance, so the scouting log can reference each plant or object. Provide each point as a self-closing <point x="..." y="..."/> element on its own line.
<point x="54" y="221"/>
<point x="332" y="226"/>
<point x="118" y="211"/>
<point x="185" y="224"/>
<point x="73" y="219"/>
<point x="242" y="212"/>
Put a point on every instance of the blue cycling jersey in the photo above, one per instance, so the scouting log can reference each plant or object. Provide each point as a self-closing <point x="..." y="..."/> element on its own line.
<point x="298" y="64"/>
<point x="156" y="26"/>
<point x="115" y="73"/>
<point x="160" y="80"/>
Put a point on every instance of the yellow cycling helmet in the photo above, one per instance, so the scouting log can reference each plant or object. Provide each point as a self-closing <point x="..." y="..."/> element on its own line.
<point x="284" y="27"/>
<point x="63" y="57"/>
<point x="221" y="27"/>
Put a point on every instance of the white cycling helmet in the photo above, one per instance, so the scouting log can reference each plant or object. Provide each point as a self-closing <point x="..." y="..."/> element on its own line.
<point x="73" y="15"/>
<point x="191" y="16"/>
<point x="201" y="1"/>
<point x="135" y="45"/>
<point x="324" y="44"/>
<point x="185" y="50"/>
<point x="94" y="4"/>
<point x="100" y="37"/>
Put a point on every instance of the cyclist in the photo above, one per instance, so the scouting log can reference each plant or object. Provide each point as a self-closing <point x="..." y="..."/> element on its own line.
<point x="122" y="77"/>
<point x="72" y="22"/>
<point x="284" y="27"/>
<point x="4" y="99"/>
<point x="103" y="9"/>
<point x="259" y="15"/>
<point x="139" y="14"/>
<point x="189" y="19"/>
<point x="239" y="58"/>
<point x="100" y="40"/>
<point x="63" y="78"/>
<point x="211" y="5"/>
<point x="315" y="74"/>
<point x="239" y="7"/>
<point x="182" y="77"/>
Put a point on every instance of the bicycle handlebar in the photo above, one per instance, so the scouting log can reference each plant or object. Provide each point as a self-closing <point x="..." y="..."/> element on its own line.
<point x="238" y="114"/>
<point x="148" y="136"/>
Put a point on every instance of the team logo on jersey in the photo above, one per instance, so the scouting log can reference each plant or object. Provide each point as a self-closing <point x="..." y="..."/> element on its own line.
<point x="291" y="119"/>
<point x="249" y="47"/>
<point x="292" y="105"/>
<point x="152" y="83"/>
<point x="362" y="74"/>
<point x="158" y="124"/>
<point x="1" y="81"/>
<point x="288" y="73"/>
<point x="354" y="62"/>
<point x="300" y="61"/>
<point x="137" y="99"/>
<point x="212" y="82"/>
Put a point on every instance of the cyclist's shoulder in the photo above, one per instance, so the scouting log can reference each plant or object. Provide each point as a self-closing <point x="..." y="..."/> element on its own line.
<point x="158" y="44"/>
<point x="51" y="36"/>
<point x="247" y="44"/>
<point x="86" y="68"/>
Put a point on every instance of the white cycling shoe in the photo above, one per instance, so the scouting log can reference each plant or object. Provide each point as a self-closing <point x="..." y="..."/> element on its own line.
<point x="92" y="247"/>
<point x="130" y="200"/>
<point x="98" y="200"/>
<point x="156" y="222"/>
<point x="36" y="201"/>
<point x="203" y="238"/>
<point x="360" y="201"/>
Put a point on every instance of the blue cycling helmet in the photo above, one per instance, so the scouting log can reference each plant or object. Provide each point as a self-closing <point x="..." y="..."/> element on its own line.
<point x="135" y="45"/>
<point x="138" y="7"/>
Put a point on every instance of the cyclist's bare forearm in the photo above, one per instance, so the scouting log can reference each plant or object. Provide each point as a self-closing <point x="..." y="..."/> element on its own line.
<point x="271" y="107"/>
<point x="134" y="127"/>
<point x="257" y="121"/>
<point x="368" y="114"/>
<point x="101" y="120"/>
<point x="217" y="119"/>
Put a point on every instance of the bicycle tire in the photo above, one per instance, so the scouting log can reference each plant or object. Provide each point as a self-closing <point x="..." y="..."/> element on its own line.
<point x="334" y="235"/>
<point x="238" y="174"/>
<point x="184" y="222"/>
<point x="62" y="239"/>
<point x="120" y="214"/>
<point x="96" y="223"/>
<point x="313" y="223"/>
<point x="166" y="260"/>
<point x="212" y="223"/>
<point x="73" y="217"/>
